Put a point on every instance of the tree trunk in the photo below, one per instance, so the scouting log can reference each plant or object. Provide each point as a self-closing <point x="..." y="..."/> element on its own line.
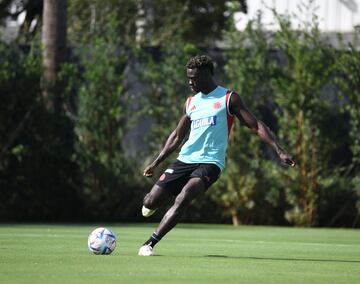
<point x="54" y="50"/>
<point x="235" y="218"/>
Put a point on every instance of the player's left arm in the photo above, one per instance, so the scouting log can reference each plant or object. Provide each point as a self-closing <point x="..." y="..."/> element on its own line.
<point x="238" y="108"/>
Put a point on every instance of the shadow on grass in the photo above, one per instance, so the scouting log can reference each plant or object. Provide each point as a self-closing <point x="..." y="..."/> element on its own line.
<point x="284" y="259"/>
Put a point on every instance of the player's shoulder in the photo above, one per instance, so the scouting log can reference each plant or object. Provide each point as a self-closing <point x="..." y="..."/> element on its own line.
<point x="236" y="100"/>
<point x="231" y="92"/>
<point x="231" y="95"/>
<point x="228" y="91"/>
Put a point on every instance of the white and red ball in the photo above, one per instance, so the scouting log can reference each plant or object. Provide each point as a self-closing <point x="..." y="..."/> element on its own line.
<point x="102" y="241"/>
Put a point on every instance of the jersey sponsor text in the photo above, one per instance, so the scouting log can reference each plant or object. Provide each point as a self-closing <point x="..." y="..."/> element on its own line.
<point x="211" y="120"/>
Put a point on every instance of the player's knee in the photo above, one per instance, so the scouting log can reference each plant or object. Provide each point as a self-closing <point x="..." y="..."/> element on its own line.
<point x="148" y="201"/>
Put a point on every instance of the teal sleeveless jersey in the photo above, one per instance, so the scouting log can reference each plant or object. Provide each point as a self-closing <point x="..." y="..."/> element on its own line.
<point x="210" y="128"/>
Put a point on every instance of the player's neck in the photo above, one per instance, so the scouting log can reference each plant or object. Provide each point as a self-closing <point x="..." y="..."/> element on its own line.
<point x="208" y="89"/>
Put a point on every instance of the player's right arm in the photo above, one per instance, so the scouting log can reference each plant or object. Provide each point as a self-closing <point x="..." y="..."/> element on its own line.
<point x="174" y="140"/>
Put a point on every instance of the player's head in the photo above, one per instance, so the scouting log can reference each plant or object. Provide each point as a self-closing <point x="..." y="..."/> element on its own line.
<point x="202" y="62"/>
<point x="200" y="70"/>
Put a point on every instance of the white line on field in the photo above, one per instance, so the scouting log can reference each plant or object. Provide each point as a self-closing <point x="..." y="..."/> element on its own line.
<point x="280" y="242"/>
<point x="27" y="235"/>
<point x="33" y="235"/>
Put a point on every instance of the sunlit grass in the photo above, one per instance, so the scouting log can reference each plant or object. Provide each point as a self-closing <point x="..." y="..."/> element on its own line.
<point x="189" y="254"/>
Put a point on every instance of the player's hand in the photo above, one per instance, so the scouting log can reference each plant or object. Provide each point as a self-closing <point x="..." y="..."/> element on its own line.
<point x="286" y="158"/>
<point x="149" y="171"/>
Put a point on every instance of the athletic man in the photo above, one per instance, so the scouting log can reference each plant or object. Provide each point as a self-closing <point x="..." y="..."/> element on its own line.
<point x="208" y="116"/>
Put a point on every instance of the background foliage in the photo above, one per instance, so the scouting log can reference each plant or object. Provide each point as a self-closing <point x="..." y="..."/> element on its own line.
<point x="38" y="174"/>
<point x="125" y="89"/>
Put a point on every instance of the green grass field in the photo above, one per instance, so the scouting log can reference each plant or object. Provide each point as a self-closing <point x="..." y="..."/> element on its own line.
<point x="189" y="254"/>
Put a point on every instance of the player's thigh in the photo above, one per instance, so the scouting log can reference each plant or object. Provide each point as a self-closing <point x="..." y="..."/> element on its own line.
<point x="157" y="197"/>
<point x="193" y="188"/>
<point x="209" y="173"/>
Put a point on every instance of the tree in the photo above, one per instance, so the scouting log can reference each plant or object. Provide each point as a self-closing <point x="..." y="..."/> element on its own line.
<point x="54" y="50"/>
<point x="168" y="91"/>
<point x="37" y="173"/>
<point x="198" y="22"/>
<point x="109" y="185"/>
<point x="348" y="79"/>
<point x="153" y="23"/>
<point x="248" y="69"/>
<point x="90" y="18"/>
<point x="305" y="66"/>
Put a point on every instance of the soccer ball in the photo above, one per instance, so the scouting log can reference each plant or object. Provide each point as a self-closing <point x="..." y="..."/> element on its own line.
<point x="102" y="241"/>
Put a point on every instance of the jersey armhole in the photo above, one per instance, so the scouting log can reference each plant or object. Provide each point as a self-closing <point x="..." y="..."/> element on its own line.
<point x="227" y="100"/>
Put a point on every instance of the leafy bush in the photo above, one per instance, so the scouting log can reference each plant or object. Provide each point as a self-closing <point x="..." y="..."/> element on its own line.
<point x="37" y="175"/>
<point x="102" y="117"/>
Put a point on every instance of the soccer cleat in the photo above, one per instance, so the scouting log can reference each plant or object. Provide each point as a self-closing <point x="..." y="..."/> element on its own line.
<point x="146" y="250"/>
<point x="147" y="212"/>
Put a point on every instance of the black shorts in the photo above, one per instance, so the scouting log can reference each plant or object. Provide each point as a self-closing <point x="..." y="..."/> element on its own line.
<point x="178" y="174"/>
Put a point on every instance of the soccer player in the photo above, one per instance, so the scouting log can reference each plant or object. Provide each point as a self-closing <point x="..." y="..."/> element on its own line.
<point x="208" y="116"/>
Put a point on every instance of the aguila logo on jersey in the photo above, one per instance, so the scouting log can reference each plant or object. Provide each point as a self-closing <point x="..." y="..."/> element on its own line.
<point x="207" y="121"/>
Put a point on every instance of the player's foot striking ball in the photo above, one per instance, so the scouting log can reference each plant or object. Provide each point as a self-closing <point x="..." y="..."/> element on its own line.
<point x="208" y="116"/>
